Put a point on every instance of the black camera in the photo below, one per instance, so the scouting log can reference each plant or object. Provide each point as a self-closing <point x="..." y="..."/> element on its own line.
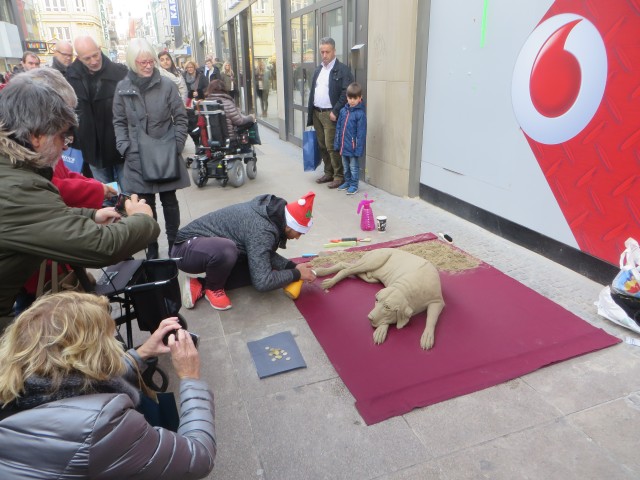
<point x="194" y="337"/>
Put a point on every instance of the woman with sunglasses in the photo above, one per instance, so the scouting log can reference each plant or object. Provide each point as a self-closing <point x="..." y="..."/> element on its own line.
<point x="144" y="100"/>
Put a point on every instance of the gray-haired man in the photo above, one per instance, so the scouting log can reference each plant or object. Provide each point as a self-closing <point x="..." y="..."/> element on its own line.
<point x="35" y="222"/>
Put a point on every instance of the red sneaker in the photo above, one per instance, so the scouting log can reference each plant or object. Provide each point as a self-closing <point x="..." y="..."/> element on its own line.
<point x="218" y="299"/>
<point x="192" y="292"/>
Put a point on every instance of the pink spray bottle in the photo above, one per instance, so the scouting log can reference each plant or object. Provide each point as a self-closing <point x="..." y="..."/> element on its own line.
<point x="367" y="222"/>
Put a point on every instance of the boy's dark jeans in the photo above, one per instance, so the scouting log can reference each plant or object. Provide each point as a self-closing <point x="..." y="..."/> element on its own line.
<point x="351" y="168"/>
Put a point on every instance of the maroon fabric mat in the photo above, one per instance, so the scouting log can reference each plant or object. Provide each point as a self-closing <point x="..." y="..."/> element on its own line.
<point x="493" y="329"/>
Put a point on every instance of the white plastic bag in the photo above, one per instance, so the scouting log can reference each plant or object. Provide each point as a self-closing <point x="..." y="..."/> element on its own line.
<point x="627" y="282"/>
<point x="610" y="310"/>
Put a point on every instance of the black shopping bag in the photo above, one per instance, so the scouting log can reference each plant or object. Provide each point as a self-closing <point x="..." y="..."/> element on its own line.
<point x="310" y="151"/>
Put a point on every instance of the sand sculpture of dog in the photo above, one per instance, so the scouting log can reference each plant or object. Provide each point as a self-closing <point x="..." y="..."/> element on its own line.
<point x="412" y="285"/>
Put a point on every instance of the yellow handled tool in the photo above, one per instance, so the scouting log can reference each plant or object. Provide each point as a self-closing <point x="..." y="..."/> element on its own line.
<point x="340" y="244"/>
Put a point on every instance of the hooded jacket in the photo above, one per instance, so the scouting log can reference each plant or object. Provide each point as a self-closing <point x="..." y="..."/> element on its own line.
<point x="35" y="224"/>
<point x="257" y="228"/>
<point x="95" y="135"/>
<point x="351" y="131"/>
<point x="101" y="436"/>
<point x="232" y="113"/>
<point x="161" y="106"/>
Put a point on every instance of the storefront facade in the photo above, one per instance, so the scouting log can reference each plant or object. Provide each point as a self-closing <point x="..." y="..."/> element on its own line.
<point x="272" y="47"/>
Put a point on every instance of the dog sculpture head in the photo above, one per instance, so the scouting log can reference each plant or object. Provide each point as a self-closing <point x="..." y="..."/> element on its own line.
<point x="391" y="307"/>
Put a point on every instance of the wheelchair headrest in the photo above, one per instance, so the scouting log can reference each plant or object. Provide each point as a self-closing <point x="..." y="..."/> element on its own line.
<point x="211" y="106"/>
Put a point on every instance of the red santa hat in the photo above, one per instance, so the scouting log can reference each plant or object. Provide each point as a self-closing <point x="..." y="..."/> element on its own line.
<point x="298" y="213"/>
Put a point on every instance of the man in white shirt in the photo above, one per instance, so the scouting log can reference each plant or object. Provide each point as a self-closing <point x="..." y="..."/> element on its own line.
<point x="327" y="97"/>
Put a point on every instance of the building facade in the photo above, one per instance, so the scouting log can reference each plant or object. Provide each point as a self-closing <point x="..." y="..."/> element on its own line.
<point x="459" y="111"/>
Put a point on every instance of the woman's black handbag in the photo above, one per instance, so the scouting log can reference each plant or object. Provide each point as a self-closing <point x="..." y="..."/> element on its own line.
<point x="159" y="408"/>
<point x="254" y="134"/>
<point x="161" y="411"/>
<point x="158" y="156"/>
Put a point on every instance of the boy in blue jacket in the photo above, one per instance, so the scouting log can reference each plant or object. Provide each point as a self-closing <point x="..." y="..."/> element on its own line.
<point x="351" y="130"/>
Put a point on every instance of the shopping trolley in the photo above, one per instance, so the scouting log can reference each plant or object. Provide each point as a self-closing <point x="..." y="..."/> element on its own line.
<point x="144" y="290"/>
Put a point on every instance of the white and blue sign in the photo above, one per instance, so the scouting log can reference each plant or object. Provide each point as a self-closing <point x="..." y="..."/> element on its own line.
<point x="174" y="18"/>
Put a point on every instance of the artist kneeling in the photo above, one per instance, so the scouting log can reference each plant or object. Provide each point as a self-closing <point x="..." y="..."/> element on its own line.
<point x="68" y="411"/>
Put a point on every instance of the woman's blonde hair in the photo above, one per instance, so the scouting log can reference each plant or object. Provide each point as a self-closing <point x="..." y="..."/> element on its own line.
<point x="192" y="63"/>
<point x="58" y="335"/>
<point x="137" y="47"/>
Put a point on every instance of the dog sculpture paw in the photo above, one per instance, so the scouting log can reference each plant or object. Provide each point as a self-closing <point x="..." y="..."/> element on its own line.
<point x="328" y="283"/>
<point x="380" y="334"/>
<point x="427" y="340"/>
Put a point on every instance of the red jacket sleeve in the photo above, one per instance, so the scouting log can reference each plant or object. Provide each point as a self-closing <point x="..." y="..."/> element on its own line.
<point x="77" y="190"/>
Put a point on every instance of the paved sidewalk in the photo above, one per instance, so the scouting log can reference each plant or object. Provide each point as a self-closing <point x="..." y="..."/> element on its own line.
<point x="578" y="419"/>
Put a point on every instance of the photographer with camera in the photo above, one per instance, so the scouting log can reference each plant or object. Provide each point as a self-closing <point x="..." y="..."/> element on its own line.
<point x="34" y="219"/>
<point x="67" y="387"/>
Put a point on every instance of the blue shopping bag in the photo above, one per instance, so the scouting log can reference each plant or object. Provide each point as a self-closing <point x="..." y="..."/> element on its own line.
<point x="72" y="158"/>
<point x="310" y="151"/>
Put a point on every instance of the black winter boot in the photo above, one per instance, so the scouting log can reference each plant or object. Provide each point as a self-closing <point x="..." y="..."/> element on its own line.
<point x="152" y="251"/>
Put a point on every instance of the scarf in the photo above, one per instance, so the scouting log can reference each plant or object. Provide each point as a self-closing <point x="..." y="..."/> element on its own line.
<point x="143" y="82"/>
<point x="190" y="79"/>
<point x="58" y="65"/>
<point x="38" y="391"/>
<point x="92" y="80"/>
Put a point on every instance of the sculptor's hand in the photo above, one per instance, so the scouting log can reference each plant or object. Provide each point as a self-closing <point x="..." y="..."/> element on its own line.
<point x="154" y="346"/>
<point x="306" y="272"/>
<point x="184" y="355"/>
<point x="136" y="205"/>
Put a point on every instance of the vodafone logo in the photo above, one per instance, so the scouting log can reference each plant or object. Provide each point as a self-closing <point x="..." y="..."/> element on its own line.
<point x="559" y="79"/>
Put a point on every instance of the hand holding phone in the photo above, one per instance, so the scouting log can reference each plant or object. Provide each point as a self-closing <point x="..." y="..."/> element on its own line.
<point x="120" y="204"/>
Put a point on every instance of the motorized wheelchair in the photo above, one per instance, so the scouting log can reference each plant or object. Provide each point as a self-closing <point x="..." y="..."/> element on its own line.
<point x="220" y="155"/>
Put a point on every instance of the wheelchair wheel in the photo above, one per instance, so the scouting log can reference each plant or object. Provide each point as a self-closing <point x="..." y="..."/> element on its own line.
<point x="198" y="179"/>
<point x="235" y="170"/>
<point x="252" y="170"/>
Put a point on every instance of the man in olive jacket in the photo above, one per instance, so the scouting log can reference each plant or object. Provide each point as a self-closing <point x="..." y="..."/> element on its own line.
<point x="35" y="224"/>
<point x="94" y="78"/>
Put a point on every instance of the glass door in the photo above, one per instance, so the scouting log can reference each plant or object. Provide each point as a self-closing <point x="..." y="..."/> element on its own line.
<point x="243" y="57"/>
<point x="303" y="64"/>
<point x="333" y="26"/>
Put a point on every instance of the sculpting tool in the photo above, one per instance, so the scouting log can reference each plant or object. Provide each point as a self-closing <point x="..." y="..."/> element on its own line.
<point x="350" y="239"/>
<point x="340" y="244"/>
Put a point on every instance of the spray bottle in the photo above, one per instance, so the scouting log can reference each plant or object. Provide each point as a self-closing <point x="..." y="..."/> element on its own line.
<point x="367" y="221"/>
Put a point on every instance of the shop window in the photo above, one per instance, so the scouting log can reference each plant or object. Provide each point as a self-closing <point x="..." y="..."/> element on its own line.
<point x="265" y="61"/>
<point x="60" y="33"/>
<point x="54" y="6"/>
<point x="300" y="4"/>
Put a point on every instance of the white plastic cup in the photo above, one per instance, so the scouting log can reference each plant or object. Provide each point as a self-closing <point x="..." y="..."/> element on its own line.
<point x="381" y="222"/>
